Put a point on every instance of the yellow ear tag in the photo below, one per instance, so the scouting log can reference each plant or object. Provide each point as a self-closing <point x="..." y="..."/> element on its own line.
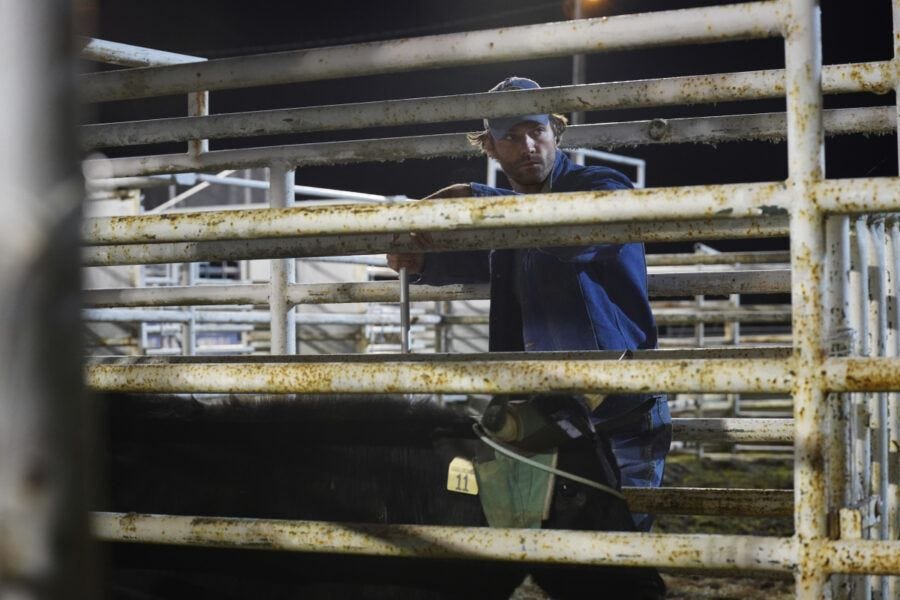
<point x="461" y="477"/>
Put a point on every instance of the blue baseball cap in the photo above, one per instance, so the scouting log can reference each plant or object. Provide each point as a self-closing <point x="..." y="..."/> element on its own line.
<point x="499" y="126"/>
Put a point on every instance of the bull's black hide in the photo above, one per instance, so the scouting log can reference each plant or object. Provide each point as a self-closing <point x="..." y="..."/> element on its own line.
<point x="351" y="459"/>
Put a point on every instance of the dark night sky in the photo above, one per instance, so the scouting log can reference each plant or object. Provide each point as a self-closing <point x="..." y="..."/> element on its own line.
<point x="219" y="28"/>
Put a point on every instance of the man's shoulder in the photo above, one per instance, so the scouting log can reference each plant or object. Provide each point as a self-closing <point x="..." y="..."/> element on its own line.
<point x="481" y="189"/>
<point x="595" y="178"/>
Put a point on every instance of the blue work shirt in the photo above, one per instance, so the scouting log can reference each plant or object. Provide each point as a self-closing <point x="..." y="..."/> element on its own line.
<point x="561" y="298"/>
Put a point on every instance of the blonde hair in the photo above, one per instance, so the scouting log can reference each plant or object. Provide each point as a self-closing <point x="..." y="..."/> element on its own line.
<point x="557" y="122"/>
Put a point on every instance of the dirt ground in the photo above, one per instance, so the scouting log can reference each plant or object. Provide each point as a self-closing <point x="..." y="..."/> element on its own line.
<point x="718" y="470"/>
<point x="725" y="470"/>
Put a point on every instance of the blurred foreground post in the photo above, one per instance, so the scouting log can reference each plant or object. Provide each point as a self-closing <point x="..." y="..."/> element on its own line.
<point x="43" y="525"/>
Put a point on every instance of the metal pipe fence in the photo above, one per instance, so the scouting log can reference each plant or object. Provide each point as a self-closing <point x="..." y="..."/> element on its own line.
<point x="769" y="127"/>
<point x="472" y="214"/>
<point x="725" y="87"/>
<point x="835" y="471"/>
<point x="769" y="226"/>
<point x="769" y="281"/>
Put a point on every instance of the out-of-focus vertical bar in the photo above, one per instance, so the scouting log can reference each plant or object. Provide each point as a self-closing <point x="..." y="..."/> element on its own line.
<point x="44" y="425"/>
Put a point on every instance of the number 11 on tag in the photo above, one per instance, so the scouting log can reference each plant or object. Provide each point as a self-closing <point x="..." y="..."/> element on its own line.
<point x="461" y="477"/>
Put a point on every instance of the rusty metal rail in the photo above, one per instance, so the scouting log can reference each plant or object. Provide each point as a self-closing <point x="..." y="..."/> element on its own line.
<point x="448" y="214"/>
<point x="492" y="377"/>
<point x="769" y="281"/>
<point x="709" y="130"/>
<point x="723" y="87"/>
<point x="471" y="377"/>
<point x="467" y="543"/>
<point x="769" y="226"/>
<point x="738" y="430"/>
<point x="752" y="200"/>
<point x="728" y="553"/>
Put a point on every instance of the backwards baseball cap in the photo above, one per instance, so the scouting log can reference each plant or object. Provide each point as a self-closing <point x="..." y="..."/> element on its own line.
<point x="499" y="126"/>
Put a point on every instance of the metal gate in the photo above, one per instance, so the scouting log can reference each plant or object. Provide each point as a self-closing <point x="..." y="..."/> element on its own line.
<point x="842" y="371"/>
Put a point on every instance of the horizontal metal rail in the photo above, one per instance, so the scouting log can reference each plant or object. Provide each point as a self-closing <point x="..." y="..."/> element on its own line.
<point x="770" y="338"/>
<point x="202" y="327"/>
<point x="192" y="179"/>
<point x="767" y="281"/>
<point x="468" y="543"/>
<point x="695" y="89"/>
<point x="725" y="502"/>
<point x="129" y="315"/>
<point x="204" y="350"/>
<point x="560" y="209"/>
<point x="721" y="258"/>
<point x="876" y="374"/>
<point x="711" y="130"/>
<point x="769" y="127"/>
<point x="530" y="237"/>
<point x="667" y="317"/>
<point x="688" y="402"/>
<point x="874" y="197"/>
<point x="668" y="284"/>
<point x="740" y="352"/>
<point x="686" y="26"/>
<point x="862" y="556"/>
<point x="528" y="375"/>
<point x="548" y="546"/>
<point x="746" y="200"/>
<point x="740" y="430"/>
<point x="131" y="56"/>
<point x="471" y="377"/>
<point x="684" y="317"/>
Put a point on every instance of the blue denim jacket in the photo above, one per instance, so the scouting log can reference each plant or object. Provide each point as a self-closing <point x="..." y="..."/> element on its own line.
<point x="568" y="298"/>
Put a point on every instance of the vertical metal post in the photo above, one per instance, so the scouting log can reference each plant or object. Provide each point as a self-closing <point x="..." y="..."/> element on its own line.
<point x="893" y="349"/>
<point x="735" y="300"/>
<point x="699" y="339"/>
<point x="841" y="344"/>
<point x="44" y="542"/>
<point x="892" y="512"/>
<point x="187" y="329"/>
<point x="404" y="311"/>
<point x="882" y="431"/>
<point x="806" y="166"/>
<point x="198" y="106"/>
<point x="283" y="270"/>
<point x="491" y="177"/>
<point x="863" y="408"/>
<point x="860" y="439"/>
<point x="578" y="77"/>
<point x="444" y="340"/>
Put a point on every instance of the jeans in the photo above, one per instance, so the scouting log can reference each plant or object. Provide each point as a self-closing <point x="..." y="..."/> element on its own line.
<point x="640" y="441"/>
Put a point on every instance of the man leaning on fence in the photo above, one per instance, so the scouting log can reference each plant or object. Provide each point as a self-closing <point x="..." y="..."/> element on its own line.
<point x="561" y="298"/>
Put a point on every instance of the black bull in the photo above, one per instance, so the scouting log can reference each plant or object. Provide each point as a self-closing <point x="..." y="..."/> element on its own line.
<point x="327" y="458"/>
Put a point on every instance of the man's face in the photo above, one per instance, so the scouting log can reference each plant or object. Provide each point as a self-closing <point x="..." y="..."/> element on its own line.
<point x="526" y="154"/>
